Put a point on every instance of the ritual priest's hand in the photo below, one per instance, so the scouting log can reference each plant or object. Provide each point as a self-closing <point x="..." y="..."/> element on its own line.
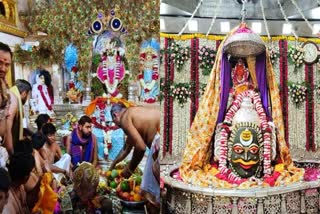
<point x="126" y="172"/>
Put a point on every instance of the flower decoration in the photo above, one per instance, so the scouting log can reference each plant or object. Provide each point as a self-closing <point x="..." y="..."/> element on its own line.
<point x="297" y="92"/>
<point x="274" y="53"/>
<point x="181" y="92"/>
<point x="296" y="56"/>
<point x="206" y="58"/>
<point x="69" y="121"/>
<point x="67" y="21"/>
<point x="74" y="94"/>
<point x="179" y="55"/>
<point x="164" y="88"/>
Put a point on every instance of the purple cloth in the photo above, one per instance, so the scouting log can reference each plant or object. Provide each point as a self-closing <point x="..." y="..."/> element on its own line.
<point x="78" y="145"/>
<point x="262" y="81"/>
<point x="225" y="78"/>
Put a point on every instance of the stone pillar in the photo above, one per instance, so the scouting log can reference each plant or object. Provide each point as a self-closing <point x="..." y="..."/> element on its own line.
<point x="303" y="201"/>
<point x="260" y="209"/>
<point x="209" y="200"/>
<point x="283" y="204"/>
<point x="173" y="200"/>
<point x="234" y="205"/>
<point x="188" y="204"/>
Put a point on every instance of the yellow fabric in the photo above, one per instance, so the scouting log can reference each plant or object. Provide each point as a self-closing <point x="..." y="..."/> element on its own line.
<point x="195" y="167"/>
<point x="251" y="60"/>
<point x="197" y="152"/>
<point x="16" y="92"/>
<point x="47" y="197"/>
<point x="8" y="77"/>
<point x="92" y="106"/>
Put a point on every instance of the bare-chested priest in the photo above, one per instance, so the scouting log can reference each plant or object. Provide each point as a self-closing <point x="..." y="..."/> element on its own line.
<point x="141" y="125"/>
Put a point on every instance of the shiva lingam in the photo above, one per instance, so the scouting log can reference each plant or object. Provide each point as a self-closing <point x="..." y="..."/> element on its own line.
<point x="236" y="159"/>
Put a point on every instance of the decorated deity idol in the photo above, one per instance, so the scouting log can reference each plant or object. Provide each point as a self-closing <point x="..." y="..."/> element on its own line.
<point x="240" y="76"/>
<point x="245" y="150"/>
<point x="149" y="59"/>
<point x="75" y="86"/>
<point x="110" y="138"/>
<point x="42" y="94"/>
<point x="111" y="70"/>
<point x="244" y="129"/>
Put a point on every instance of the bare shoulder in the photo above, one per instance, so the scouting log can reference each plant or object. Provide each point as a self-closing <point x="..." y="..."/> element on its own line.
<point x="13" y="99"/>
<point x="56" y="146"/>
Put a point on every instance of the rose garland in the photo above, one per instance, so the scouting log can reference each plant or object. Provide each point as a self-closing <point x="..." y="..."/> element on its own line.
<point x="206" y="58"/>
<point x="179" y="55"/>
<point x="101" y="105"/>
<point x="283" y="69"/>
<point x="296" y="56"/>
<point x="225" y="131"/>
<point x="309" y="106"/>
<point x="297" y="93"/>
<point x="181" y="92"/>
<point x="49" y="106"/>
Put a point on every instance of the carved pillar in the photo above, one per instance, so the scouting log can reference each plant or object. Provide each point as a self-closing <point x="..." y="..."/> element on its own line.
<point x="303" y="201"/>
<point x="209" y="200"/>
<point x="188" y="204"/>
<point x="283" y="204"/>
<point x="234" y="205"/>
<point x="173" y="198"/>
<point x="260" y="209"/>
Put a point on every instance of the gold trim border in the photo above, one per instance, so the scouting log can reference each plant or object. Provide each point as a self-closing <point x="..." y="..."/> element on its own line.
<point x="12" y="30"/>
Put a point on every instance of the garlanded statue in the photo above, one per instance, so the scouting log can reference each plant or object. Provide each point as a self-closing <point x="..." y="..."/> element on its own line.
<point x="75" y="86"/>
<point x="245" y="150"/>
<point x="110" y="138"/>
<point x="42" y="94"/>
<point x="111" y="70"/>
<point x="237" y="136"/>
<point x="149" y="60"/>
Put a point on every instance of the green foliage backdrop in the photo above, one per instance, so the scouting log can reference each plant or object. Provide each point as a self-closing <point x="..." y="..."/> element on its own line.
<point x="68" y="22"/>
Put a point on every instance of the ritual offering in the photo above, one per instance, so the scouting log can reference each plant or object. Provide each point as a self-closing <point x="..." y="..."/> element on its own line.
<point x="128" y="190"/>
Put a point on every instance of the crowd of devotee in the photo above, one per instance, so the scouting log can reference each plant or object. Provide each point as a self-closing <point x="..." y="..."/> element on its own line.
<point x="38" y="176"/>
